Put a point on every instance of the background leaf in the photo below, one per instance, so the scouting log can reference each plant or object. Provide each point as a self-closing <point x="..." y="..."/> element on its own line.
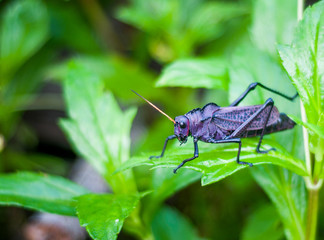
<point x="287" y="192"/>
<point x="264" y="223"/>
<point x="64" y="17"/>
<point x="176" y="28"/>
<point x="19" y="93"/>
<point x="106" y="216"/>
<point x="269" y="18"/>
<point x="111" y="69"/>
<point x="169" y="224"/>
<point x="35" y="162"/>
<point x="165" y="184"/>
<point x="195" y="73"/>
<point x="40" y="192"/>
<point x="97" y="127"/>
<point x="22" y="32"/>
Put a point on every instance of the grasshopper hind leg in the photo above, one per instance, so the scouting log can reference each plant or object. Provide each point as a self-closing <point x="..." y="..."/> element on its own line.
<point x="265" y="151"/>
<point x="233" y="140"/>
<point x="242" y="128"/>
<point x="269" y="103"/>
<point x="252" y="86"/>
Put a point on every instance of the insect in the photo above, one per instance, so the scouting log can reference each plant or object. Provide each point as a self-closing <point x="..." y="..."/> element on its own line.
<point x="215" y="124"/>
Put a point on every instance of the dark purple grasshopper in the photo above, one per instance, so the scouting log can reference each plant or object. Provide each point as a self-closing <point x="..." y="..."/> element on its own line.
<point x="215" y="124"/>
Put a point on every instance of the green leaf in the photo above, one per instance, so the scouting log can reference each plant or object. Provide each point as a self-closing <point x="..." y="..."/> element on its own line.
<point x="111" y="69"/>
<point x="304" y="62"/>
<point x="273" y="22"/>
<point x="209" y="20"/>
<point x="264" y="224"/>
<point x="287" y="192"/>
<point x="23" y="30"/>
<point x="97" y="127"/>
<point x="170" y="224"/>
<point x="195" y="73"/>
<point x="103" y="215"/>
<point x="40" y="192"/>
<point x="311" y="127"/>
<point x="219" y="160"/>
<point x="34" y="162"/>
<point x="18" y="93"/>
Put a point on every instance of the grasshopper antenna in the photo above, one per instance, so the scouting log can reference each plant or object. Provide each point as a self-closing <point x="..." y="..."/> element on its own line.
<point x="154" y="106"/>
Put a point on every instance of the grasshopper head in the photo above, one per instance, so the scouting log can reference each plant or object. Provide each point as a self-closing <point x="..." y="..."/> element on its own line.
<point x="181" y="128"/>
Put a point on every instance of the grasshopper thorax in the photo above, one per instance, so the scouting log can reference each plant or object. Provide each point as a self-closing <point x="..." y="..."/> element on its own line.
<point x="181" y="128"/>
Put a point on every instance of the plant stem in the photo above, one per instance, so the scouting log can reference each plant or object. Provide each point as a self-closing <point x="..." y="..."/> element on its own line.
<point x="312" y="186"/>
<point x="135" y="227"/>
<point x="312" y="211"/>
<point x="300" y="9"/>
<point x="313" y="191"/>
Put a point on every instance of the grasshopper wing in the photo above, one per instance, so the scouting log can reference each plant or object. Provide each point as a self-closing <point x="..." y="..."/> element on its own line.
<point x="230" y="118"/>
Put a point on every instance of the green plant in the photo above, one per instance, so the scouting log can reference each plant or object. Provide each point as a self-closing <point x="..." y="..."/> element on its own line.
<point x="99" y="130"/>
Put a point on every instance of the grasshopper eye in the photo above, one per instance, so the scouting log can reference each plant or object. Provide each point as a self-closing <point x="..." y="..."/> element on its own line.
<point x="182" y="125"/>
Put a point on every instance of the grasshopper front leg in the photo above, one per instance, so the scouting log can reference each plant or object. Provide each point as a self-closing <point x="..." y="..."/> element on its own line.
<point x="196" y="154"/>
<point x="164" y="147"/>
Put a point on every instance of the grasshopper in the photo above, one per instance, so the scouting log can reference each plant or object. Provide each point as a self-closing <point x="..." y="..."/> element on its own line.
<point x="215" y="124"/>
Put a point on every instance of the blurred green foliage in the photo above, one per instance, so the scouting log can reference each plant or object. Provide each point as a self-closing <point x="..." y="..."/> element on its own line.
<point x="176" y="28"/>
<point x="194" y="52"/>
